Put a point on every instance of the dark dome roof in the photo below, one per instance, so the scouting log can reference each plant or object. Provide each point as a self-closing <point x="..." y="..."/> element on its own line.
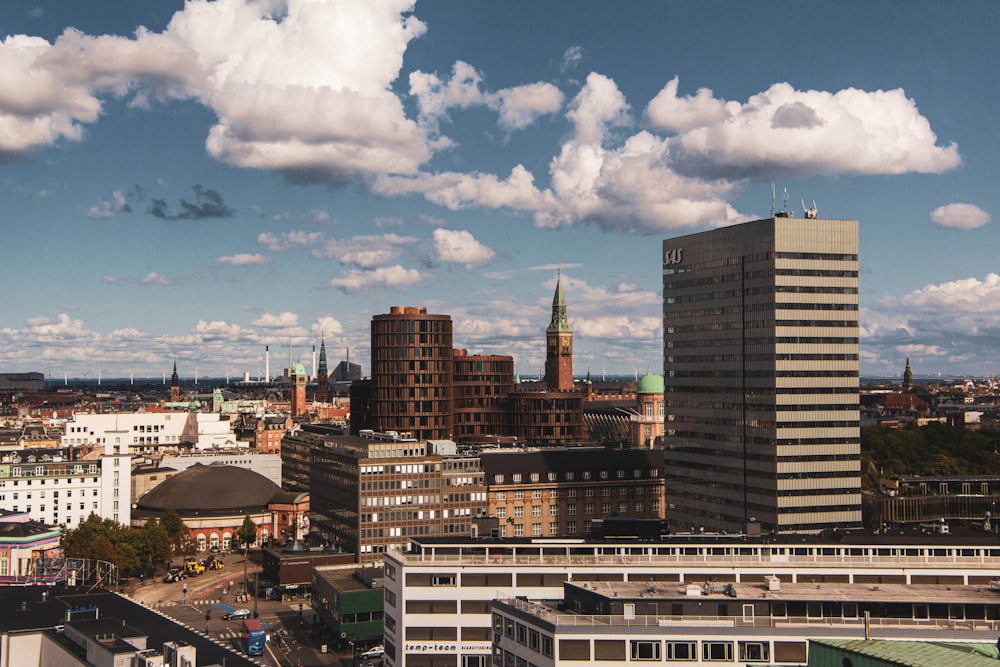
<point x="206" y="489"/>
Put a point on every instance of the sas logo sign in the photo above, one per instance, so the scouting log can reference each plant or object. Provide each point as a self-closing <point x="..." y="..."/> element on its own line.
<point x="675" y="256"/>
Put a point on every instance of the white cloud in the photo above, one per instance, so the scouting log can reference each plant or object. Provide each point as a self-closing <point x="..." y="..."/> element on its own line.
<point x="668" y="112"/>
<point x="308" y="95"/>
<point x="366" y="251"/>
<point x="154" y="278"/>
<point x="356" y="281"/>
<point x="284" y="320"/>
<point x="327" y="325"/>
<point x="242" y="259"/>
<point x="460" y="247"/>
<point x="108" y="207"/>
<point x="572" y="57"/>
<point x="801" y="133"/>
<point x="287" y="240"/>
<point x="518" y="107"/>
<point x="957" y="320"/>
<point x="648" y="183"/>
<point x="960" y="216"/>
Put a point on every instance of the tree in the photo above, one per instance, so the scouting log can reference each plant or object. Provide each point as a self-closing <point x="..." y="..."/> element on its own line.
<point x="155" y="546"/>
<point x="247" y="535"/>
<point x="174" y="527"/>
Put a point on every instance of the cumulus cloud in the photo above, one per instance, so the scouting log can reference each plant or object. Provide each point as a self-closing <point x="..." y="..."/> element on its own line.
<point x="357" y="281"/>
<point x="960" y="216"/>
<point x="695" y="154"/>
<point x="784" y="131"/>
<point x="518" y="107"/>
<point x="281" y="321"/>
<point x="307" y="94"/>
<point x="326" y="325"/>
<point x="460" y="247"/>
<point x="958" y="321"/>
<point x="366" y="251"/>
<point x="242" y="259"/>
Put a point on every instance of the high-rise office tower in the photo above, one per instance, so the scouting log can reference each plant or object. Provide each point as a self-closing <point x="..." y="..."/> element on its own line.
<point x="412" y="373"/>
<point x="760" y="330"/>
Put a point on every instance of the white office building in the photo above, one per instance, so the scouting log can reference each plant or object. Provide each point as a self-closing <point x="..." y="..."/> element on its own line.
<point x="760" y="331"/>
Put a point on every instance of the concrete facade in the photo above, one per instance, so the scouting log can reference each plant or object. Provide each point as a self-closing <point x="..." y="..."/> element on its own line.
<point x="761" y="351"/>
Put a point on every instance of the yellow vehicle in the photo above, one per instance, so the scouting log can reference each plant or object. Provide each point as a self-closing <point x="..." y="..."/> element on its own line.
<point x="213" y="563"/>
<point x="193" y="567"/>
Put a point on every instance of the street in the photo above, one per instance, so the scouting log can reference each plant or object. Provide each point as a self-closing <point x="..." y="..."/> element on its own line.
<point x="210" y="596"/>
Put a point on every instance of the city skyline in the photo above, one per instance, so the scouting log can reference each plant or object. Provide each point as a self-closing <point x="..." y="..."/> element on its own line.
<point x="240" y="174"/>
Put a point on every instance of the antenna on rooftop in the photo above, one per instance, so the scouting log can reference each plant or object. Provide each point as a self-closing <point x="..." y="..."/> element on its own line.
<point x="772" y="199"/>
<point x="809" y="212"/>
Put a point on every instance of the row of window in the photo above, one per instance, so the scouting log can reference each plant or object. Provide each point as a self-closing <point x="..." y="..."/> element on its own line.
<point x="588" y="508"/>
<point x="536" y="494"/>
<point x="570" y="475"/>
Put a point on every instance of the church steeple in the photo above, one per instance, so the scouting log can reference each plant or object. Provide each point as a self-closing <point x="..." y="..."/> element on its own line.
<point x="322" y="375"/>
<point x="559" y="344"/>
<point x="559" y="321"/>
<point x="175" y="385"/>
<point x="908" y="376"/>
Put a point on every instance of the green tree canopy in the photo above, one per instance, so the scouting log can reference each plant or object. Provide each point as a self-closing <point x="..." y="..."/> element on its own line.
<point x="247" y="534"/>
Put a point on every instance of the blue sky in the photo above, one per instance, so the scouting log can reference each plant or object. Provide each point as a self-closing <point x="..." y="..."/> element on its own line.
<point x="198" y="180"/>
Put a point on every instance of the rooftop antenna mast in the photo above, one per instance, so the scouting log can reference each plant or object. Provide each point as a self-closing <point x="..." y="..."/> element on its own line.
<point x="772" y="199"/>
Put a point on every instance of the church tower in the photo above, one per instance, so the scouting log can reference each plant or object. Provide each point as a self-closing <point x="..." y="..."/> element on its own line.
<point x="175" y="385"/>
<point x="559" y="345"/>
<point x="322" y="376"/>
<point x="908" y="377"/>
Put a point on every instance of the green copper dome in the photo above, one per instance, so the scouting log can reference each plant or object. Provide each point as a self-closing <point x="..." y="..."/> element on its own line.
<point x="298" y="369"/>
<point x="650" y="384"/>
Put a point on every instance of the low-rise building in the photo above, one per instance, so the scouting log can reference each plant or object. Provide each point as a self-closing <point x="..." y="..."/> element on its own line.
<point x="440" y="609"/>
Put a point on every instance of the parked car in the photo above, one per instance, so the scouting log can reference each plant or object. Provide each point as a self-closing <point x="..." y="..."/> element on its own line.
<point x="374" y="652"/>
<point x="236" y="614"/>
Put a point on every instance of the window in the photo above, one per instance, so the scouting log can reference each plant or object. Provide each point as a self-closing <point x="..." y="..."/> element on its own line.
<point x="571" y="527"/>
<point x="646" y="650"/>
<point x="516" y="478"/>
<point x="717" y="651"/>
<point x="605" y="508"/>
<point x="754" y="651"/>
<point x="553" y="510"/>
<point x="519" y="511"/>
<point x="536" y="529"/>
<point x="519" y="495"/>
<point x="553" y="528"/>
<point x="588" y="508"/>
<point x="518" y="530"/>
<point x="501" y="495"/>
<point x="443" y="580"/>
<point x="571" y="510"/>
<point x="553" y="493"/>
<point x="501" y="512"/>
<point x="536" y="494"/>
<point x="536" y="510"/>
<point x="534" y="477"/>
<point x="682" y="651"/>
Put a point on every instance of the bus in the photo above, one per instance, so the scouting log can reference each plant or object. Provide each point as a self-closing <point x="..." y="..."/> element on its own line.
<point x="254" y="636"/>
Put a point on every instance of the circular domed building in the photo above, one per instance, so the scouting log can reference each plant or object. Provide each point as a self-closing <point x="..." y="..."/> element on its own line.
<point x="647" y="426"/>
<point x="214" y="499"/>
